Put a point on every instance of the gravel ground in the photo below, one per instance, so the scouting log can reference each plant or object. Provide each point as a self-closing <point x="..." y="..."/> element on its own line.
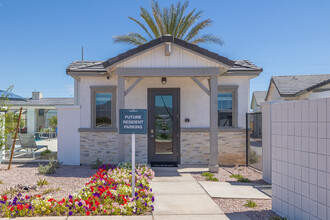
<point x="224" y="174"/>
<point x="262" y="211"/>
<point x="69" y="179"/>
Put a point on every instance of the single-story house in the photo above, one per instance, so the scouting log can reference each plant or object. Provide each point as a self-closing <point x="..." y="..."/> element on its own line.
<point x="36" y="111"/>
<point x="257" y="98"/>
<point x="196" y="102"/>
<point x="298" y="87"/>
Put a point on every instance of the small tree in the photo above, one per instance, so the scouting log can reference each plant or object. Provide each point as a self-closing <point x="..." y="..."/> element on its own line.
<point x="52" y="121"/>
<point x="4" y="107"/>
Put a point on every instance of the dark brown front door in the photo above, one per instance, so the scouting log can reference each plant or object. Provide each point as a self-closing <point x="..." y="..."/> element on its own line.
<point x="164" y="125"/>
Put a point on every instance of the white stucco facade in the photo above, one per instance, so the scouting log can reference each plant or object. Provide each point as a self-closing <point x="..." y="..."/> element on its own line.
<point x="194" y="100"/>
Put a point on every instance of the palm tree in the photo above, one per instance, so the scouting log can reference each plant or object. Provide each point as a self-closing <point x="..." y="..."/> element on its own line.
<point x="173" y="21"/>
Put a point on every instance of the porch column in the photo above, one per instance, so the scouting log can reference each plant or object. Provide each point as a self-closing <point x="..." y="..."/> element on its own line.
<point x="213" y="165"/>
<point x="31" y="121"/>
<point x="121" y="105"/>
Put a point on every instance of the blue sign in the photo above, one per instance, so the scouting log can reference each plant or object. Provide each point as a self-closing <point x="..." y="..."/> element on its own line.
<point x="132" y="121"/>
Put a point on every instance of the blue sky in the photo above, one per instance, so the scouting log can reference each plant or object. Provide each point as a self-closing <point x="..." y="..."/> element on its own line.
<point x="39" y="38"/>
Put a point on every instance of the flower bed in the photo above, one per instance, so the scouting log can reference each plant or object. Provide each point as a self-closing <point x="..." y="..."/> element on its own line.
<point x="107" y="193"/>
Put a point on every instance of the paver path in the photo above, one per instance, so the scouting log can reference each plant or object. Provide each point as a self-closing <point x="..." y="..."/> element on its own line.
<point x="179" y="196"/>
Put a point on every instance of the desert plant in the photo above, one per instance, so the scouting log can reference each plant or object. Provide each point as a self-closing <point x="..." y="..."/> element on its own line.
<point x="209" y="176"/>
<point x="250" y="204"/>
<point x="253" y="157"/>
<point x="47" y="191"/>
<point x="42" y="182"/>
<point x="240" y="178"/>
<point x="49" y="168"/>
<point x="171" y="20"/>
<point x="45" y="152"/>
<point x="97" y="164"/>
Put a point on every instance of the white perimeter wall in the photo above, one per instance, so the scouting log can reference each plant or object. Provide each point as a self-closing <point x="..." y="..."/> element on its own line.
<point x="68" y="136"/>
<point x="194" y="101"/>
<point x="300" y="150"/>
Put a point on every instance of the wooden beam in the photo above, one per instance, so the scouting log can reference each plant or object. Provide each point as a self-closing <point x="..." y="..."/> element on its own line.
<point x="200" y="85"/>
<point x="133" y="85"/>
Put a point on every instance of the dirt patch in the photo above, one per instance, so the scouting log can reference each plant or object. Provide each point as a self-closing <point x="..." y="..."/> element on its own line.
<point x="224" y="174"/>
<point x="262" y="211"/>
<point x="65" y="181"/>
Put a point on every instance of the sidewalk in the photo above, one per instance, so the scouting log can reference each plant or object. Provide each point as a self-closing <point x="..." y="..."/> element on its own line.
<point x="179" y="196"/>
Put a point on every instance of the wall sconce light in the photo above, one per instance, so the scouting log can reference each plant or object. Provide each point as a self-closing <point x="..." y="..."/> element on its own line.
<point x="164" y="80"/>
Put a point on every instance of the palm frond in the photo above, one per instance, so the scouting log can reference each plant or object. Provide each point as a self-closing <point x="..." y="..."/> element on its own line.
<point x="141" y="25"/>
<point x="197" y="28"/>
<point x="146" y="16"/>
<point x="156" y="12"/>
<point x="130" y="38"/>
<point x="207" y="38"/>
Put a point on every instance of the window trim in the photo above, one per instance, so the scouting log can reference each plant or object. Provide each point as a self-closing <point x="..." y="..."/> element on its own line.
<point x="105" y="89"/>
<point x="234" y="90"/>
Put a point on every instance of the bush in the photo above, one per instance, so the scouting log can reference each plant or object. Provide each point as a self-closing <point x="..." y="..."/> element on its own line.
<point x="97" y="164"/>
<point x="240" y="178"/>
<point x="42" y="182"/>
<point x="209" y="176"/>
<point x="49" y="168"/>
<point x="45" y="152"/>
<point x="253" y="157"/>
<point x="46" y="191"/>
<point x="250" y="204"/>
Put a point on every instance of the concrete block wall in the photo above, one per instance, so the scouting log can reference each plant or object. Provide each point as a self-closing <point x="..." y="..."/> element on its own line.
<point x="300" y="156"/>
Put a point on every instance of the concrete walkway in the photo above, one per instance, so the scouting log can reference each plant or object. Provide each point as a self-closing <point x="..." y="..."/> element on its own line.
<point x="179" y="196"/>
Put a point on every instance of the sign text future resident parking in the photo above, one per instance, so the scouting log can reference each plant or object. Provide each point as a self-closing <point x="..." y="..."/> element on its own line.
<point x="132" y="121"/>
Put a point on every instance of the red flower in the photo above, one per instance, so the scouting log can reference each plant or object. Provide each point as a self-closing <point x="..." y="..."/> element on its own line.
<point x="5" y="198"/>
<point x="93" y="208"/>
<point x="105" y="211"/>
<point x="88" y="213"/>
<point x="12" y="209"/>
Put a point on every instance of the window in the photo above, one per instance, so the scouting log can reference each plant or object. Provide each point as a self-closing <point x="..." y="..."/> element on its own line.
<point x="227" y="97"/>
<point x="103" y="106"/>
<point x="103" y="109"/>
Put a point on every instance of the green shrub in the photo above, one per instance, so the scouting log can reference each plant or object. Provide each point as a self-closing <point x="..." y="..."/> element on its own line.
<point x="49" y="168"/>
<point x="209" y="176"/>
<point x="253" y="157"/>
<point x="46" y="191"/>
<point x="250" y="204"/>
<point x="240" y="178"/>
<point x="45" y="152"/>
<point x="42" y="182"/>
<point x="98" y="162"/>
<point x="128" y="165"/>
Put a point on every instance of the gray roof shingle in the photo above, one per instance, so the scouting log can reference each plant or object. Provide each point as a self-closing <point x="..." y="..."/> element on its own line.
<point x="43" y="102"/>
<point x="291" y="85"/>
<point x="259" y="96"/>
<point x="96" y="66"/>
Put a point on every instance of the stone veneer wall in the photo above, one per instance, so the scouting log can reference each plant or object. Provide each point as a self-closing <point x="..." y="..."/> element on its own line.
<point x="195" y="147"/>
<point x="102" y="145"/>
<point x="141" y="148"/>
<point x="232" y="147"/>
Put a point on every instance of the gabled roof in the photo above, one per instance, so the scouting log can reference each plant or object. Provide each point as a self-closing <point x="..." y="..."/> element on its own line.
<point x="259" y="96"/>
<point x="10" y="95"/>
<point x="171" y="39"/>
<point x="295" y="84"/>
<point x="43" y="102"/>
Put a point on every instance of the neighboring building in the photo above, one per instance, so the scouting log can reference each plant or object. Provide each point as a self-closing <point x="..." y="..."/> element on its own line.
<point x="36" y="111"/>
<point x="256" y="118"/>
<point x="257" y="98"/>
<point x="298" y="87"/>
<point x="196" y="102"/>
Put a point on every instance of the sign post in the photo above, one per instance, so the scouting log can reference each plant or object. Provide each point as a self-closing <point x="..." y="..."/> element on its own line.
<point x="133" y="121"/>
